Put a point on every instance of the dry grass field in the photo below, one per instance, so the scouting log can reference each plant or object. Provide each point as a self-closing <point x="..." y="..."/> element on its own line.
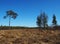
<point x="29" y="36"/>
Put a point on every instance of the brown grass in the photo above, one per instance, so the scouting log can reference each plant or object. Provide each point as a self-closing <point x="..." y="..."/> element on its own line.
<point x="29" y="36"/>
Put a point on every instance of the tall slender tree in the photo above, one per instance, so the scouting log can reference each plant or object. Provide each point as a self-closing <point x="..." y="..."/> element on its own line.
<point x="10" y="14"/>
<point x="54" y="21"/>
<point x="39" y="21"/>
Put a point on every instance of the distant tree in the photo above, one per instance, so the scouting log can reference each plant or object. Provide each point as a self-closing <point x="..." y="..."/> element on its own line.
<point x="10" y="14"/>
<point x="39" y="21"/>
<point x="54" y="21"/>
<point x="42" y="20"/>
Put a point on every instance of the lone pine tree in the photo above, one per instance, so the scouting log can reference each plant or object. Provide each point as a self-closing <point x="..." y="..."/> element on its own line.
<point x="54" y="21"/>
<point x="10" y="14"/>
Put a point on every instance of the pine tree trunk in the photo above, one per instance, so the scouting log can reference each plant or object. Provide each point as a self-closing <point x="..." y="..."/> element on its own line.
<point x="9" y="21"/>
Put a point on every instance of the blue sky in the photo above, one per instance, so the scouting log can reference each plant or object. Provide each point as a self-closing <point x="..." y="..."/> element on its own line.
<point x="28" y="10"/>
